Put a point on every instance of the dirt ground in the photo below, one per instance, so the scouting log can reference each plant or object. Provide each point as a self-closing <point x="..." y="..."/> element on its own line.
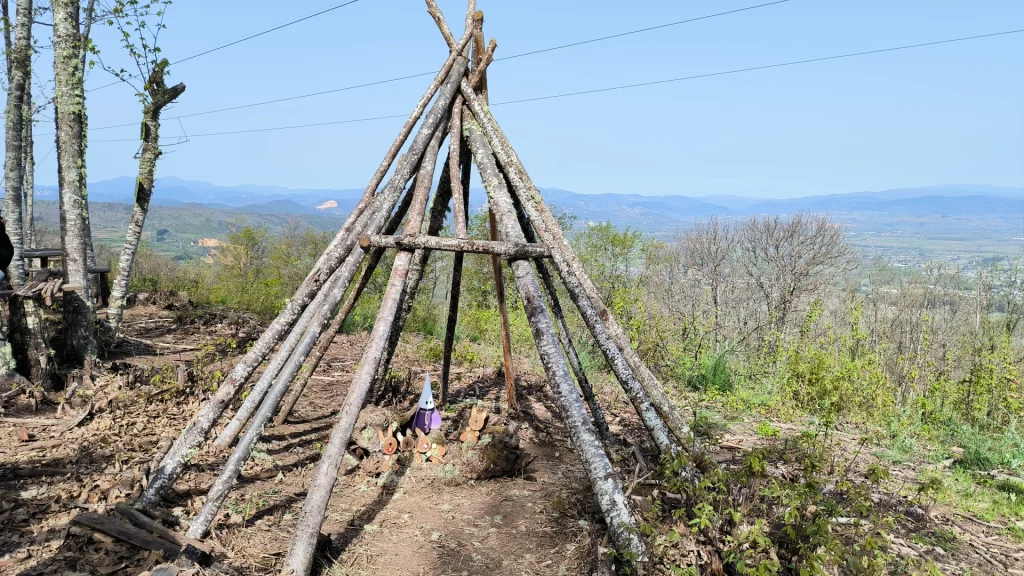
<point x="420" y="520"/>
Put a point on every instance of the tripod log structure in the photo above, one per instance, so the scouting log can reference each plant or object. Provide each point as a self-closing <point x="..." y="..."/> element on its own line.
<point x="524" y="236"/>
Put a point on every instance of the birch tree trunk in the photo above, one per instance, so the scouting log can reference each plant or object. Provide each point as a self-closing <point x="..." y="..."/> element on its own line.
<point x="197" y="429"/>
<point x="159" y="97"/>
<point x="69" y="104"/>
<point x="14" y="178"/>
<point x="605" y="482"/>
<point x="29" y="164"/>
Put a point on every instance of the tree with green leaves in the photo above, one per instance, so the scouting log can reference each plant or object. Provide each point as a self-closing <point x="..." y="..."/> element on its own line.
<point x="139" y="25"/>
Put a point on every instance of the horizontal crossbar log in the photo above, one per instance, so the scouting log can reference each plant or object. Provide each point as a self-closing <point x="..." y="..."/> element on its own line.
<point x="507" y="250"/>
<point x="42" y="253"/>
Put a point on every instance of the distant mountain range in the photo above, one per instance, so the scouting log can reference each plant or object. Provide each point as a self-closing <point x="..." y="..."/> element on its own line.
<point x="649" y="213"/>
<point x="905" y="224"/>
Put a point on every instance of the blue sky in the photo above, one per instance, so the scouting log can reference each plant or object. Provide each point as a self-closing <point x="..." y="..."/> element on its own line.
<point x="937" y="115"/>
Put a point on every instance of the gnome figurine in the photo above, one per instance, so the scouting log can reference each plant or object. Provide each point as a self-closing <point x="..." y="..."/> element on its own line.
<point x="427" y="418"/>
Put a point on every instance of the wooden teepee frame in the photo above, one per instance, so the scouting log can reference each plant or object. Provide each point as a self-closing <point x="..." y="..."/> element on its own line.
<point x="524" y="233"/>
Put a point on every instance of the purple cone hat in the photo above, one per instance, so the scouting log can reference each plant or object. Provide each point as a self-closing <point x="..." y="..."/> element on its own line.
<point x="427" y="417"/>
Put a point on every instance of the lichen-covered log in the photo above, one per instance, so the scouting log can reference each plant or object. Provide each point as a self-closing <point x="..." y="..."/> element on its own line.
<point x="371" y="206"/>
<point x="605" y="482"/>
<point x="459" y="173"/>
<point x="424" y="149"/>
<point x="569" y="267"/>
<point x="496" y="455"/>
<point x="324" y="343"/>
<point x="507" y="250"/>
<point x="14" y="178"/>
<point x="623" y="372"/>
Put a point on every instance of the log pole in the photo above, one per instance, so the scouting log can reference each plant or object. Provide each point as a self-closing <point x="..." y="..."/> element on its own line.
<point x="605" y="482"/>
<point x="460" y="166"/>
<point x="564" y="335"/>
<point x="553" y="236"/>
<point x="479" y="53"/>
<point x="300" y="553"/>
<point x="499" y="248"/>
<point x="424" y="152"/>
<point x="595" y="323"/>
<point x="324" y="343"/>
<point x="199" y="427"/>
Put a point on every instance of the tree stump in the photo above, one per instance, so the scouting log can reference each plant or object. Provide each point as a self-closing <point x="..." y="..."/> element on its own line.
<point x="30" y="339"/>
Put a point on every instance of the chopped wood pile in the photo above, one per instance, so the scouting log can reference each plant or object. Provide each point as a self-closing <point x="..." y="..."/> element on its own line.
<point x="523" y="232"/>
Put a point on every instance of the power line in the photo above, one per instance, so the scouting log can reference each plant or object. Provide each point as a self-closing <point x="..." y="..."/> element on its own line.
<point x="421" y="74"/>
<point x="621" y="87"/>
<point x="247" y="38"/>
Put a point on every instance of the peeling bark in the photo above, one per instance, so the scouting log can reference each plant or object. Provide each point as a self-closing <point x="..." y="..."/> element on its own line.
<point x="370" y="207"/>
<point x="29" y="165"/>
<point x="14" y="178"/>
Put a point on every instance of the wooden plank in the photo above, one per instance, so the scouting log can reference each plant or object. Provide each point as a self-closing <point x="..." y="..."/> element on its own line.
<point x="42" y="253"/>
<point x="140" y="520"/>
<point x="126" y="533"/>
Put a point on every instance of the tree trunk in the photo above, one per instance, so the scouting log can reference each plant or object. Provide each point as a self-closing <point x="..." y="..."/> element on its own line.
<point x="501" y="249"/>
<point x="573" y="277"/>
<point x="324" y="343"/>
<point x="29" y="164"/>
<point x="30" y="342"/>
<point x="603" y="478"/>
<point x="69" y="105"/>
<point x="14" y="178"/>
<point x="159" y="97"/>
<point x="339" y="249"/>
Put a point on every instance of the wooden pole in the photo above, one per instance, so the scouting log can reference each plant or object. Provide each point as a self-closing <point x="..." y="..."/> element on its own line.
<point x="499" y="280"/>
<point x="324" y="343"/>
<point x="219" y="491"/>
<point x="373" y="207"/>
<point x="459" y="161"/>
<point x="603" y="478"/>
<point x="300" y="554"/>
<point x="513" y="170"/>
<point x="432" y="226"/>
<point x="499" y="248"/>
<point x="564" y="335"/>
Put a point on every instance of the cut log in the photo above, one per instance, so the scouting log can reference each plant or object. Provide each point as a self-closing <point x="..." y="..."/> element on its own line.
<point x="568" y="265"/>
<point x="507" y="250"/>
<point x="494" y="456"/>
<point x="623" y="372"/>
<point x="605" y="482"/>
<point x="127" y="533"/>
<point x="199" y="427"/>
